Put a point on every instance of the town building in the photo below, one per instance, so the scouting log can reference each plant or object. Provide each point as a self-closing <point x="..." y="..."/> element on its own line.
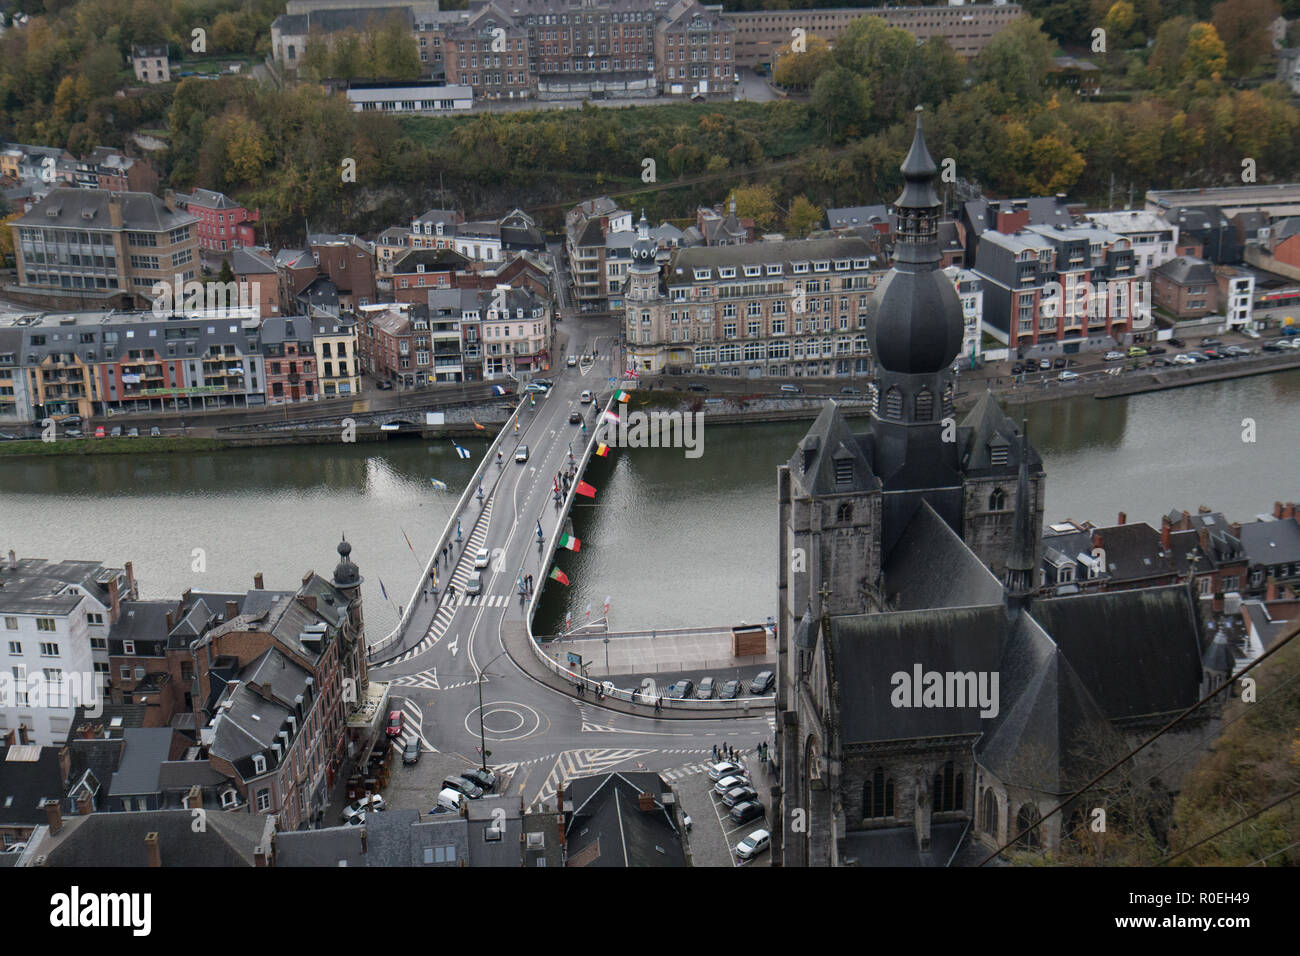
<point x="107" y="168"/>
<point x="1009" y="216"/>
<point x="348" y="262"/>
<point x="290" y="32"/>
<point x="29" y="775"/>
<point x="1154" y="239"/>
<point x="401" y="96"/>
<point x="970" y="289"/>
<point x="779" y="308"/>
<point x="627" y="819"/>
<point x="1278" y="200"/>
<point x="1236" y="296"/>
<point x="1078" y="76"/>
<point x="289" y="354"/>
<point x="82" y="248"/>
<point x="260" y="283"/>
<point x="149" y="63"/>
<point x="223" y="223"/>
<point x="587" y="228"/>
<point x="1185" y="288"/>
<point x="56" y="618"/>
<point x="491" y="54"/>
<point x="338" y="358"/>
<point x="920" y="554"/>
<point x="694" y="52"/>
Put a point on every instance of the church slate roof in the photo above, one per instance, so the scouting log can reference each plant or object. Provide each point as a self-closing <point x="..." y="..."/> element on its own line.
<point x="607" y="828"/>
<point x="932" y="567"/>
<point x="828" y="440"/>
<point x="1137" y="651"/>
<point x="987" y="425"/>
<point x="868" y="649"/>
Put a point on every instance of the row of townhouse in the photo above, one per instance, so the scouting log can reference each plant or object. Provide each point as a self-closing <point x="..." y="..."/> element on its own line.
<point x="457" y="335"/>
<point x="248" y="702"/>
<point x="93" y="364"/>
<point x="29" y="173"/>
<point x="488" y="240"/>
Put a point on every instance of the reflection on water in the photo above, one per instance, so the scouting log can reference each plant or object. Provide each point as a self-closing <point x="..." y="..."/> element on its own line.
<point x="671" y="541"/>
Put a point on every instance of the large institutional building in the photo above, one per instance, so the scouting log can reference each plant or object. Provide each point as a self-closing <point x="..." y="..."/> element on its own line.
<point x="912" y="550"/>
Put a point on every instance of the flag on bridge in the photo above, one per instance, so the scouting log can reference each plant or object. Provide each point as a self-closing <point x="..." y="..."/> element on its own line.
<point x="602" y="449"/>
<point x="633" y="373"/>
<point x="570" y="542"/>
<point x="383" y="589"/>
<point x="408" y="543"/>
<point x="440" y="485"/>
<point x="611" y="417"/>
<point x="462" y="452"/>
<point x="539" y="527"/>
<point x="558" y="575"/>
<point x="478" y="426"/>
<point x="586" y="489"/>
<point x="621" y="396"/>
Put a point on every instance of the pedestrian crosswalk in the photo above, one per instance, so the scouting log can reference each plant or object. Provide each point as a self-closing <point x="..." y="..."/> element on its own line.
<point x="460" y="574"/>
<point x="677" y="773"/>
<point x="580" y="763"/>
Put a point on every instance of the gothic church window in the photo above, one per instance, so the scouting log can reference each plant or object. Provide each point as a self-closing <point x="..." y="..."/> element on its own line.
<point x="844" y="513"/>
<point x="949" y="786"/>
<point x="990" y="821"/>
<point x="924" y="405"/>
<point x="1027" y="821"/>
<point x="878" y="795"/>
<point x="997" y="500"/>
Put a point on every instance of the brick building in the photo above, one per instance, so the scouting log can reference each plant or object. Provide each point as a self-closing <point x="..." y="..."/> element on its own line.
<point x="223" y="223"/>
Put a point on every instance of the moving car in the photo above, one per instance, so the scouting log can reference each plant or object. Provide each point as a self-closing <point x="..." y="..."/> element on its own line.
<point x="543" y="381"/>
<point x="1155" y="350"/>
<point x="763" y="682"/>
<point x="1213" y="355"/>
<point x="741" y="794"/>
<point x="706" y="689"/>
<point x="697" y="388"/>
<point x="1067" y="376"/>
<point x="1175" y="343"/>
<point x="536" y="387"/>
<point x="571" y="361"/>
<point x="483" y="778"/>
<point x="521" y="453"/>
<point x="744" y="812"/>
<point x="482" y="558"/>
<point x="730" y="690"/>
<point x="754" y="844"/>
<point x="385" y="386"/>
<point x="850" y="390"/>
<point x="463" y="785"/>
<point x="575" y="418"/>
<point x="411" y="753"/>
<point x="586" y="398"/>
<point x="474" y="584"/>
<point x="1136" y="351"/>
<point x="1275" y="347"/>
<point x="791" y="389"/>
<point x="396" y="724"/>
<point x="1210" y="341"/>
<point x="726" y="768"/>
<point x="1113" y="356"/>
<point x="373" y="803"/>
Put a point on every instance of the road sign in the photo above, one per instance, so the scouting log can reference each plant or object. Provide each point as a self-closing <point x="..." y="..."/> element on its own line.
<point x="575" y="660"/>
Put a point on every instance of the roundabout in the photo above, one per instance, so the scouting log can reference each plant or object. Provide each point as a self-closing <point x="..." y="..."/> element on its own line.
<point x="504" y="721"/>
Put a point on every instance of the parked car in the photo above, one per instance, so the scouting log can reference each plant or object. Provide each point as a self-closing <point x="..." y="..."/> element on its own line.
<point x="754" y="844"/>
<point x="1067" y="376"/>
<point x="725" y="768"/>
<point x="1136" y="351"/>
<point x="1017" y="369"/>
<point x="99" y="431"/>
<point x="396" y="723"/>
<point x="739" y="794"/>
<point x="763" y="682"/>
<point x="411" y="754"/>
<point x="1155" y="350"/>
<point x="1059" y="363"/>
<point x="449" y="801"/>
<point x="482" y="558"/>
<point x="384" y="386"/>
<point x="1211" y="354"/>
<point x="462" y="785"/>
<point x="1237" y="350"/>
<point x="521" y="453"/>
<point x="729" y="783"/>
<point x="1275" y="347"/>
<point x="116" y="432"/>
<point x="474" y="584"/>
<point x="696" y="387"/>
<point x="571" y="361"/>
<point x="706" y="689"/>
<point x="1113" y="356"/>
<point x="744" y="812"/>
<point x="155" y="431"/>
<point x="73" y="433"/>
<point x="1044" y="364"/>
<point x="680" y="690"/>
<point x="133" y="432"/>
<point x="372" y="804"/>
<point x="791" y="389"/>
<point x="1210" y="341"/>
<point x="1250" y="333"/>
<point x="70" y="420"/>
<point x="1175" y="343"/>
<point x="730" y="690"/>
<point x="483" y="778"/>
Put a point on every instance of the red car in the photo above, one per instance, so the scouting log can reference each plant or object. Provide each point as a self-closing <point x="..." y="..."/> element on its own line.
<point x="395" y="724"/>
<point x="99" y="431"/>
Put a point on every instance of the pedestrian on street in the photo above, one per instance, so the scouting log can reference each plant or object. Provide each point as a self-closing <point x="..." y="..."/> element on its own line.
<point x="715" y="753"/>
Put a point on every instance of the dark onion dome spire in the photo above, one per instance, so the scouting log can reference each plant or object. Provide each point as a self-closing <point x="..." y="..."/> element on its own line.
<point x="643" y="248"/>
<point x="346" y="574"/>
<point x="917" y="317"/>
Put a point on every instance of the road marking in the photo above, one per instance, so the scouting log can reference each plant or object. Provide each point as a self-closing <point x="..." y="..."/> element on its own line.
<point x="581" y="763"/>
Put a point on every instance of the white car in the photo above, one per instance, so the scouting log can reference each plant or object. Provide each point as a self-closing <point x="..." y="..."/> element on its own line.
<point x="483" y="558"/>
<point x="754" y="844"/>
<point x="1184" y="359"/>
<point x="587" y="398"/>
<point x="725" y="769"/>
<point x="571" y="361"/>
<point x="729" y="783"/>
<point x="373" y="803"/>
<point x="1067" y="376"/>
<point x="1114" y="356"/>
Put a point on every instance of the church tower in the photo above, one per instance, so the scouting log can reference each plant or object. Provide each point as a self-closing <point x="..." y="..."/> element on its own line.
<point x="643" y="273"/>
<point x="915" y="329"/>
<point x="347" y="578"/>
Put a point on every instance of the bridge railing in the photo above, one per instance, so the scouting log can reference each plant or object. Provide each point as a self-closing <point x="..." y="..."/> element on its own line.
<point x="475" y="480"/>
<point x="648" y="692"/>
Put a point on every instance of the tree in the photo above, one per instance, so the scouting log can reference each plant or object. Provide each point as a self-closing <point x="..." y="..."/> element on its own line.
<point x="1017" y="60"/>
<point x="1206" y="57"/>
<point x="1245" y="27"/>
<point x="756" y="202"/>
<point x="1166" y="60"/>
<point x="7" y="236"/>
<point x="843" y="101"/>
<point x="800" y="70"/>
<point x="227" y="274"/>
<point x="1119" y="23"/>
<point x="803" y="217"/>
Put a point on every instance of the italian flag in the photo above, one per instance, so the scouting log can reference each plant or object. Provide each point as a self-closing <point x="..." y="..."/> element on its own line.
<point x="570" y="542"/>
<point x="602" y="449"/>
<point x="586" y="489"/>
<point x="622" y="397"/>
<point x="558" y="575"/>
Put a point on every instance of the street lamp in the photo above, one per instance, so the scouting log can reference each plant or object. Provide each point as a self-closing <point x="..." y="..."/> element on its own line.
<point x="482" y="736"/>
<point x="607" y="656"/>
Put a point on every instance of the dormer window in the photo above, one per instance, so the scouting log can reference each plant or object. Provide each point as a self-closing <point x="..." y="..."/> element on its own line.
<point x="800" y="267"/>
<point x="259" y="764"/>
<point x="727" y="272"/>
<point x="774" y="270"/>
<point x="821" y="267"/>
<point x="752" y="272"/>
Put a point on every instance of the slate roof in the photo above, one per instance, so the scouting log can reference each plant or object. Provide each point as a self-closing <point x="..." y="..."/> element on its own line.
<point x="38" y="586"/>
<point x="28" y="775"/>
<point x="336" y="21"/>
<point x="828" y="441"/>
<point x="896" y="846"/>
<point x="142" y="622"/>
<point x="436" y="259"/>
<point x="1272" y="542"/>
<point x="606" y="827"/>
<point x="249" y="262"/>
<point x="117" y="839"/>
<point x="141" y="212"/>
<point x="394" y="838"/>
<point x="932" y="567"/>
<point x="1187" y="270"/>
<point x="506" y="851"/>
<point x="987" y="426"/>
<point x="145" y="751"/>
<point x="208" y="199"/>
<point x="857" y="216"/>
<point x="1043" y="210"/>
<point x="330" y="846"/>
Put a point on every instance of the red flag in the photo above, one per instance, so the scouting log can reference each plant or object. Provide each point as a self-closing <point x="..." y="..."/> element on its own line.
<point x="558" y="575"/>
<point x="586" y="489"/>
<point x="557" y="483"/>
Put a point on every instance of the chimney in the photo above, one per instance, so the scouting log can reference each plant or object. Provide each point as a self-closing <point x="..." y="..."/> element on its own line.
<point x="1166" y="529"/>
<point x="259" y="855"/>
<point x="65" y="764"/>
<point x="1235" y="528"/>
<point x="1277" y="510"/>
<point x="1096" y="538"/>
<point x="1203" y="510"/>
<point x="85" y="803"/>
<point x="53" y="815"/>
<point x="171" y="621"/>
<point x="265" y="690"/>
<point x="115" y="211"/>
<point x="130" y="579"/>
<point x="169" y="200"/>
<point x="1203" y="539"/>
<point x="1123" y="518"/>
<point x="1288" y="512"/>
<point x="1270" y="589"/>
<point x="257" y="581"/>
<point x="645" y="802"/>
<point x="185" y="598"/>
<point x="1186" y="523"/>
<point x="114" y="602"/>
<point x="309" y="600"/>
<point x="151" y="848"/>
<point x="13" y="559"/>
<point x="194" y="799"/>
<point x="306" y="578"/>
<point x="232" y="610"/>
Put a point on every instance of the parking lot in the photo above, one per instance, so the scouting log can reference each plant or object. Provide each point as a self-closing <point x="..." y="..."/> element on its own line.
<point x="713" y="837"/>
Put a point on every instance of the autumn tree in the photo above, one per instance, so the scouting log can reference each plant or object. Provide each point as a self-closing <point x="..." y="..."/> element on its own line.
<point x="843" y="101"/>
<point x="1245" y="27"/>
<point x="803" y="217"/>
<point x="800" y="70"/>
<point x="1166" y="60"/>
<point x="756" y="202"/>
<point x="1017" y="60"/>
<point x="1205" y="57"/>
<point x="1120" y="24"/>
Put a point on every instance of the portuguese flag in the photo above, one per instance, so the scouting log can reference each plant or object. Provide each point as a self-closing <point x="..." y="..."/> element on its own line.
<point x="602" y="449"/>
<point x="586" y="489"/>
<point x="570" y="542"/>
<point x="622" y="397"/>
<point x="558" y="575"/>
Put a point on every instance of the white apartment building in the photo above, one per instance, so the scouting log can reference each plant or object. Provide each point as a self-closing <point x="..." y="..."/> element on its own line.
<point x="1155" y="241"/>
<point x="970" y="290"/>
<point x="54" y="623"/>
<point x="1236" y="296"/>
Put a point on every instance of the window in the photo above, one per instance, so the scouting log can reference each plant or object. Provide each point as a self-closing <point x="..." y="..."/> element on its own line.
<point x="49" y="650"/>
<point x="441" y="854"/>
<point x="45" y="624"/>
<point x="259" y="765"/>
<point x="878" y="795"/>
<point x="125" y="672"/>
<point x="94" y="619"/>
<point x="949" y="785"/>
<point x="844" y="513"/>
<point x="15" y="647"/>
<point x="128" y="648"/>
<point x="263" y="800"/>
<point x="997" y="500"/>
<point x="11" y="623"/>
